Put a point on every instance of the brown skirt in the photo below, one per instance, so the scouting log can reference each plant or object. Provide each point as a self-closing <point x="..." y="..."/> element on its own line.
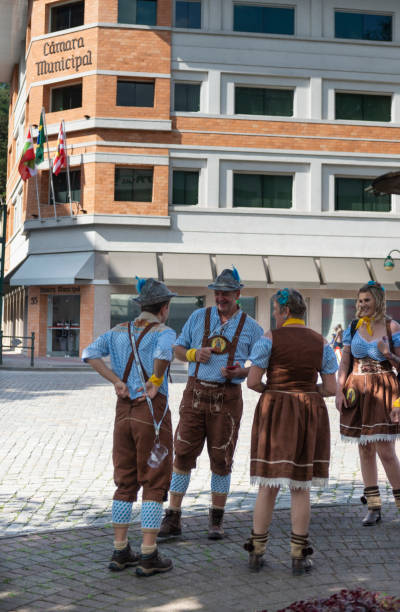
<point x="290" y="440"/>
<point x="368" y="420"/>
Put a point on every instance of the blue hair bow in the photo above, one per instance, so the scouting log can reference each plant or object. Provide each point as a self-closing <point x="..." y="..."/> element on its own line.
<point x="372" y="283"/>
<point x="283" y="296"/>
<point x="139" y="284"/>
<point x="235" y="274"/>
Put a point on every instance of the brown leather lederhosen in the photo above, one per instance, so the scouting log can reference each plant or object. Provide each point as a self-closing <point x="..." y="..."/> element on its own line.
<point x="133" y="440"/>
<point x="212" y="411"/>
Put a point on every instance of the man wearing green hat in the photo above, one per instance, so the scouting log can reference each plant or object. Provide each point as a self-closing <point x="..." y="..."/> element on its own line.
<point x="140" y="353"/>
<point x="216" y="342"/>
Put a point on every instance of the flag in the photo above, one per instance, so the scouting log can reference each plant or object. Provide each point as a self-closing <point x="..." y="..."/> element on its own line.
<point x="26" y="166"/>
<point x="39" y="155"/>
<point x="60" y="160"/>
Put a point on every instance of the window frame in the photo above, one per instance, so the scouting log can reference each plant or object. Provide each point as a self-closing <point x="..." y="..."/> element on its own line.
<point x="58" y="87"/>
<point x="64" y="173"/>
<point x="57" y="6"/>
<point x="265" y="174"/>
<point x="266" y="5"/>
<point x="364" y="95"/>
<point x="354" y="11"/>
<point x="187" y="171"/>
<point x="135" y="81"/>
<point x="264" y="89"/>
<point x="134" y="169"/>
<point x="201" y="15"/>
<point x="150" y="25"/>
<point x="187" y="82"/>
<point x="364" y="179"/>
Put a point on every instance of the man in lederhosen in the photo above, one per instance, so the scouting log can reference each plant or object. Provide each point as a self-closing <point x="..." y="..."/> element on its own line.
<point x="216" y="342"/>
<point x="135" y="426"/>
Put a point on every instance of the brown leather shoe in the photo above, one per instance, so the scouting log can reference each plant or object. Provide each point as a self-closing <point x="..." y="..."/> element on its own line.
<point x="123" y="558"/>
<point x="215" y="519"/>
<point x="171" y="525"/>
<point x="153" y="564"/>
<point x="372" y="517"/>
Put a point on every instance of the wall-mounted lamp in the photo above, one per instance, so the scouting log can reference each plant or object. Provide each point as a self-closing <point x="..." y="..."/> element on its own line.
<point x="388" y="264"/>
<point x="87" y="116"/>
<point x="35" y="125"/>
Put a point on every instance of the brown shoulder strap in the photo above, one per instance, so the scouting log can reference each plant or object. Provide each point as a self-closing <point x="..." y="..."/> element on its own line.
<point x="132" y="355"/>
<point x="235" y="339"/>
<point x="207" y="325"/>
<point x="389" y="334"/>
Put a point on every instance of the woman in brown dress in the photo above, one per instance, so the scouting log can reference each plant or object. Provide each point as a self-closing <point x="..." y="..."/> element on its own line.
<point x="367" y="390"/>
<point x="290" y="439"/>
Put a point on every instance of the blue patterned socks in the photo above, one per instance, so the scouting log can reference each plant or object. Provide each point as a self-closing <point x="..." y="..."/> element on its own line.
<point x="179" y="483"/>
<point x="220" y="484"/>
<point x="151" y="515"/>
<point x="121" y="512"/>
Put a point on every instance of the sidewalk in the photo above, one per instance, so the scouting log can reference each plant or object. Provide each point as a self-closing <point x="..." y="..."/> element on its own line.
<point x="67" y="570"/>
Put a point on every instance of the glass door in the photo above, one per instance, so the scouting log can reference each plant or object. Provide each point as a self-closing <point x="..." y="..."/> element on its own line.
<point x="63" y="325"/>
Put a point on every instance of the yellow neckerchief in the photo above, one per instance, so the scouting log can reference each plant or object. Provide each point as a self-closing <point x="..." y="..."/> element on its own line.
<point x="367" y="321"/>
<point x="292" y="321"/>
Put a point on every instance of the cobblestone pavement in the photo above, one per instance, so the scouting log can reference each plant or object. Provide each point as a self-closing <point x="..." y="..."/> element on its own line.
<point x="55" y="455"/>
<point x="67" y="570"/>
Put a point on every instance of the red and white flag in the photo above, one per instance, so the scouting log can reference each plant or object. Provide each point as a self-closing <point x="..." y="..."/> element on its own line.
<point x="60" y="160"/>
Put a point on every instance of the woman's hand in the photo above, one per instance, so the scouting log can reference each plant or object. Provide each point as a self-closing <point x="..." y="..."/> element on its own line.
<point x="151" y="391"/>
<point x="395" y="415"/>
<point x="340" y="401"/>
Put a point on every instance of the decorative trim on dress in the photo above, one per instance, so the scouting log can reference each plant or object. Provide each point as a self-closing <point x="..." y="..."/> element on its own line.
<point x="288" y="482"/>
<point x="373" y="438"/>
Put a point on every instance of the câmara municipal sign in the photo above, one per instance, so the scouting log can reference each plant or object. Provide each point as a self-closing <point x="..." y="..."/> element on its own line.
<point x="72" y="62"/>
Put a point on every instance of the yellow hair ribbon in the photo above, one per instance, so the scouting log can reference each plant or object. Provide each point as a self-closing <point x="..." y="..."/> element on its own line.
<point x="396" y="403"/>
<point x="293" y="321"/>
<point x="191" y="354"/>
<point x="367" y="321"/>
<point x="157" y="381"/>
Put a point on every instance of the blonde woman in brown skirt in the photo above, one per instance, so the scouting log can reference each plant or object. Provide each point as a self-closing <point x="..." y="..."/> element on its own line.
<point x="290" y="439"/>
<point x="367" y="390"/>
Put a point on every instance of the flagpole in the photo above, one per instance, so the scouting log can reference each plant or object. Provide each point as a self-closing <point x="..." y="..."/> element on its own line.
<point x="37" y="187"/>
<point x="50" y="168"/>
<point x="68" y="177"/>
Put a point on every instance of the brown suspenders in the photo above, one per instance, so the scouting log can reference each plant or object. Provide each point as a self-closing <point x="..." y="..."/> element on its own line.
<point x="233" y="344"/>
<point x="131" y="356"/>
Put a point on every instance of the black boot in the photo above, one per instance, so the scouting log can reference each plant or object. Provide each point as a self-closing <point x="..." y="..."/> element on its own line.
<point x="300" y="552"/>
<point x="171" y="525"/>
<point x="396" y="495"/>
<point x="256" y="546"/>
<point x="215" y="519"/>
<point x="373" y="499"/>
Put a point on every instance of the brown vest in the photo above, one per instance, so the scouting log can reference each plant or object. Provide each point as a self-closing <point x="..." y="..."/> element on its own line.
<point x="296" y="359"/>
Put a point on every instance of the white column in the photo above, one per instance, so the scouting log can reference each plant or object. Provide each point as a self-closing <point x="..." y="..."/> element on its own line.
<point x="315" y="98"/>
<point x="102" y="310"/>
<point x="212" y="182"/>
<point x="214" y="92"/>
<point x="315" y="183"/>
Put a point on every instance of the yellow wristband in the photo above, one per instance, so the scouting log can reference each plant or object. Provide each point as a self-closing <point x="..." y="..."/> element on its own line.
<point x="191" y="354"/>
<point x="396" y="403"/>
<point x="155" y="380"/>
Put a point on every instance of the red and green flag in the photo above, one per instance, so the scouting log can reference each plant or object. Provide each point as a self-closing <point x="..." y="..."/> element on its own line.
<point x="26" y="166"/>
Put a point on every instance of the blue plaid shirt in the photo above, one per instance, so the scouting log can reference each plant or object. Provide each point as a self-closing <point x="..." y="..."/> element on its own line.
<point x="156" y="344"/>
<point x="192" y="336"/>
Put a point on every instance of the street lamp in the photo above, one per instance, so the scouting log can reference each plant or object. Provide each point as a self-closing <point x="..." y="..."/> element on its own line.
<point x="388" y="264"/>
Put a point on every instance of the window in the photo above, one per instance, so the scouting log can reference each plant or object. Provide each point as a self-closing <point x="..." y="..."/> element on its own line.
<point x="135" y="93"/>
<point x="350" y="194"/>
<point x="187" y="97"/>
<point x="133" y="185"/>
<point x="262" y="190"/>
<point x="393" y="309"/>
<point x="17" y="212"/>
<point x="188" y="14"/>
<point x="363" y="26"/>
<point x="66" y="16"/>
<point x="123" y="308"/>
<point x="64" y="98"/>
<point x="185" y="187"/>
<point x="248" y="305"/>
<point x="140" y="12"/>
<point x="362" y="107"/>
<point x="263" y="19"/>
<point x="258" y="101"/>
<point x="334" y="311"/>
<point x="60" y="183"/>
